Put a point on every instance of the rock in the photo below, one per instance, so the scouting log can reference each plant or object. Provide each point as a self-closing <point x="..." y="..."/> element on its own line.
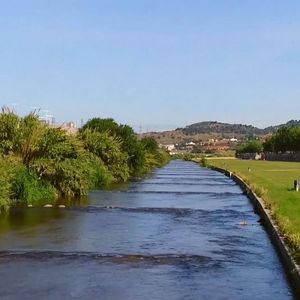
<point x="29" y="205"/>
<point x="48" y="205"/>
<point x="61" y="206"/>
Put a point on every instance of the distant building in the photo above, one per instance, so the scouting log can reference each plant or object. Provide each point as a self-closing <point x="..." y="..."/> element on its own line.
<point x="170" y="147"/>
<point x="190" y="144"/>
<point x="70" y="127"/>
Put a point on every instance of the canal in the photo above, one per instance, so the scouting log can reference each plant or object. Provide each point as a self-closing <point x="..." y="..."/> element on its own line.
<point x="178" y="234"/>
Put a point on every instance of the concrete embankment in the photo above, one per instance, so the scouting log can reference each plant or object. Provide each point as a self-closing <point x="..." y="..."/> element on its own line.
<point x="292" y="268"/>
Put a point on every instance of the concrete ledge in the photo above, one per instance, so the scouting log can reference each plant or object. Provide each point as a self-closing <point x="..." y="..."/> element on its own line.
<point x="292" y="268"/>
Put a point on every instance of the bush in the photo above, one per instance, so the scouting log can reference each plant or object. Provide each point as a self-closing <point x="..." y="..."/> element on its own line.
<point x="286" y="139"/>
<point x="130" y="145"/>
<point x="97" y="173"/>
<point x="108" y="149"/>
<point x="29" y="189"/>
<point x="7" y="169"/>
<point x="203" y="161"/>
<point x="9" y="124"/>
<point x="39" y="163"/>
<point x="254" y="146"/>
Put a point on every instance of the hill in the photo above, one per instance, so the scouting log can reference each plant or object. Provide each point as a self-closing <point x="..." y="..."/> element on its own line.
<point x="222" y="128"/>
<point x="290" y="123"/>
<point x="202" y="131"/>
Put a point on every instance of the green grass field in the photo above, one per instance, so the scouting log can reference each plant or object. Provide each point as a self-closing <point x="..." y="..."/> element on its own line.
<point x="274" y="182"/>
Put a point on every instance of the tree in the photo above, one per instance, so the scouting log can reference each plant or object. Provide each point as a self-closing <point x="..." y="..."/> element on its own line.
<point x="254" y="146"/>
<point x="149" y="144"/>
<point x="9" y="128"/>
<point x="109" y="149"/>
<point x="130" y="145"/>
<point x="285" y="139"/>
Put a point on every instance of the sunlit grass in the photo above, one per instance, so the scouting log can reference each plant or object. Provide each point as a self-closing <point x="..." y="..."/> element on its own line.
<point x="274" y="182"/>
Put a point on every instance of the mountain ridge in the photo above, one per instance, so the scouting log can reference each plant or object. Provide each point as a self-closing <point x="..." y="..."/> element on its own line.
<point x="234" y="128"/>
<point x="206" y="130"/>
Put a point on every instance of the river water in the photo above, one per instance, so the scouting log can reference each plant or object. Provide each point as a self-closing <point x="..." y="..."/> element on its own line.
<point x="174" y="235"/>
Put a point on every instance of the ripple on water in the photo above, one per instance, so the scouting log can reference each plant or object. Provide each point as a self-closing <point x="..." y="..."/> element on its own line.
<point x="175" y="234"/>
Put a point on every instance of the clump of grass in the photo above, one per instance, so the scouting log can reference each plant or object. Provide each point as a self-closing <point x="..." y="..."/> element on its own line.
<point x="291" y="238"/>
<point x="246" y="180"/>
<point x="203" y="161"/>
<point x="260" y="191"/>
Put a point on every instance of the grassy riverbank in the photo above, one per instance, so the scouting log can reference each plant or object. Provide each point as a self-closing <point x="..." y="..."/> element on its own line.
<point x="273" y="181"/>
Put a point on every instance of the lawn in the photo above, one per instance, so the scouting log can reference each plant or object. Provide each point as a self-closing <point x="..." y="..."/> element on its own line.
<point x="274" y="182"/>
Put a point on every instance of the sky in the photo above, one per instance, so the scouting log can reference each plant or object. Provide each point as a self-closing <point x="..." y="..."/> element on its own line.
<point x="152" y="64"/>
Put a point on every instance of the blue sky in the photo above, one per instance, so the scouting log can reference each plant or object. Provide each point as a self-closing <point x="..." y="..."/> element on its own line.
<point x="159" y="64"/>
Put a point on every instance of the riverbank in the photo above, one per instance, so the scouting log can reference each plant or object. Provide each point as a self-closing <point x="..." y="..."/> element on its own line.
<point x="273" y="182"/>
<point x="40" y="163"/>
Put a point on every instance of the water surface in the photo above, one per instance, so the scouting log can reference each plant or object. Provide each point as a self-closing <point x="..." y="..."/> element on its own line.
<point x="174" y="235"/>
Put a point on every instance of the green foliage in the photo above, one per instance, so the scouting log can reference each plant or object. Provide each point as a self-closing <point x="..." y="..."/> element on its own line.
<point x="64" y="163"/>
<point x="109" y="149"/>
<point x="149" y="144"/>
<point x="285" y="139"/>
<point x="102" y="125"/>
<point x="222" y="128"/>
<point x="27" y="188"/>
<point x="7" y="170"/>
<point x="56" y="144"/>
<point x="30" y="132"/>
<point x="96" y="172"/>
<point x="133" y="147"/>
<point x="39" y="163"/>
<point x="130" y="145"/>
<point x="154" y="156"/>
<point x="9" y="127"/>
<point x="203" y="161"/>
<point x="254" y="146"/>
<point x="233" y="129"/>
<point x="154" y="160"/>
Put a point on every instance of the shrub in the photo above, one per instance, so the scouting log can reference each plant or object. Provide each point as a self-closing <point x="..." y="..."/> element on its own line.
<point x="253" y="146"/>
<point x="108" y="149"/>
<point x="26" y="188"/>
<point x="203" y="161"/>
<point x="130" y="145"/>
<point x="7" y="169"/>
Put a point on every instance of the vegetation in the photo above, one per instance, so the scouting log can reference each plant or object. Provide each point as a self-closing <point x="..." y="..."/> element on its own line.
<point x="188" y="156"/>
<point x="273" y="181"/>
<point x="128" y="141"/>
<point x="239" y="129"/>
<point x="222" y="128"/>
<point x="38" y="163"/>
<point x="253" y="146"/>
<point x="203" y="131"/>
<point x="285" y="139"/>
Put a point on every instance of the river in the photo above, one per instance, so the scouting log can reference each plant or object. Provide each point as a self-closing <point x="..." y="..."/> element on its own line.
<point x="177" y="234"/>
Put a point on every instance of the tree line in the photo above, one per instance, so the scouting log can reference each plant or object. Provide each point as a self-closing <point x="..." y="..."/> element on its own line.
<point x="285" y="139"/>
<point x="39" y="163"/>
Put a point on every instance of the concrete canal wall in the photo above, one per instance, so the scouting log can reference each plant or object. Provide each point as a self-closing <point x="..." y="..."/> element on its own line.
<point x="292" y="268"/>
